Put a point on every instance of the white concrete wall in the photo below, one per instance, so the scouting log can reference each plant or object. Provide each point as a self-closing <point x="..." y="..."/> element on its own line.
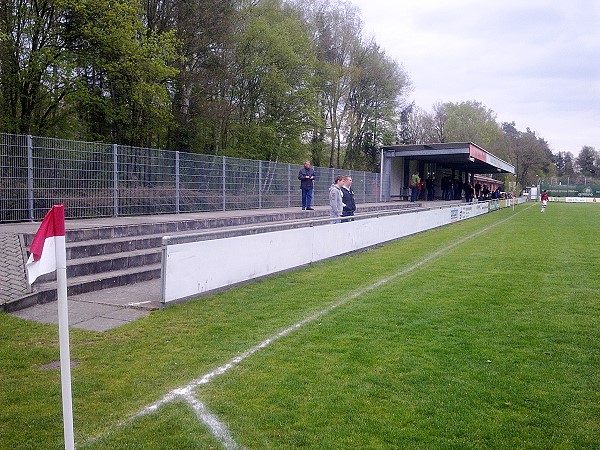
<point x="197" y="267"/>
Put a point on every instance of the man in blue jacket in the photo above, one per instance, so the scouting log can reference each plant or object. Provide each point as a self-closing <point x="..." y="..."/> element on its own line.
<point x="348" y="198"/>
<point x="306" y="175"/>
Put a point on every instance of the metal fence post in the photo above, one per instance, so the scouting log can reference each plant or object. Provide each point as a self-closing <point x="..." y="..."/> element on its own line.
<point x="115" y="180"/>
<point x="30" y="177"/>
<point x="364" y="175"/>
<point x="177" y="182"/>
<point x="224" y="186"/>
<point x="289" y="185"/>
<point x="259" y="184"/>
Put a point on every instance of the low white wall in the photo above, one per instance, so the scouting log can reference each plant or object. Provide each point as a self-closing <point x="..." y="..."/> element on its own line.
<point x="193" y="268"/>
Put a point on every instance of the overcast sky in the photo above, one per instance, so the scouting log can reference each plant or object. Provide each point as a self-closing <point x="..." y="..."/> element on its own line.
<point x="534" y="62"/>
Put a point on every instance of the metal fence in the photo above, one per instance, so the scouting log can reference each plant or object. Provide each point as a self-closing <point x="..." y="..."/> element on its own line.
<point x="103" y="180"/>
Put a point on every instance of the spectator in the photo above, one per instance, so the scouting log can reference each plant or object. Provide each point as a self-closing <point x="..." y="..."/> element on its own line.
<point x="415" y="179"/>
<point x="430" y="185"/>
<point x="486" y="192"/>
<point x="477" y="190"/>
<point x="445" y="185"/>
<point x="421" y="190"/>
<point x="335" y="200"/>
<point x="468" y="189"/>
<point x="306" y="175"/>
<point x="458" y="190"/>
<point x="348" y="198"/>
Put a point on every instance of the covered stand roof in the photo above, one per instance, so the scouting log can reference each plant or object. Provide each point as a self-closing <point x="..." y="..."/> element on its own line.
<point x="464" y="156"/>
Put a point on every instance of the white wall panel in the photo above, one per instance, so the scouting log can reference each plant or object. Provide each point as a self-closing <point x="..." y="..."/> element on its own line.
<point x="198" y="267"/>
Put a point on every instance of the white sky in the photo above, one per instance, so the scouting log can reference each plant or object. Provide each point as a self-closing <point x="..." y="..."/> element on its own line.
<point x="534" y="62"/>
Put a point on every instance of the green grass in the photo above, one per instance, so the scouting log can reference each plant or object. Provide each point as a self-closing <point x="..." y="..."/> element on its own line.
<point x="492" y="344"/>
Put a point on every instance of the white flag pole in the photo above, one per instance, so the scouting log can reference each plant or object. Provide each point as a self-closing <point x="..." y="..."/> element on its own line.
<point x="63" y="337"/>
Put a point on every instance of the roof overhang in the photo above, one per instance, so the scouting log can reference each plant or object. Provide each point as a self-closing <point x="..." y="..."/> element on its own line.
<point x="464" y="156"/>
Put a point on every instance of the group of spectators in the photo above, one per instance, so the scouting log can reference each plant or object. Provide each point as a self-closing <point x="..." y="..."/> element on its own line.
<point x="341" y="199"/>
<point x="452" y="189"/>
<point x="341" y="196"/>
<point x="422" y="189"/>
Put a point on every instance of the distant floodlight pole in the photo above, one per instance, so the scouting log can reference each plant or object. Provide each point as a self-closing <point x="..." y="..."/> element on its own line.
<point x="381" y="175"/>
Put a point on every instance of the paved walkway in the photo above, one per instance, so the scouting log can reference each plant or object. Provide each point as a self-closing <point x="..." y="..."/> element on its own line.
<point x="101" y="310"/>
<point x="12" y="281"/>
<point x="109" y="308"/>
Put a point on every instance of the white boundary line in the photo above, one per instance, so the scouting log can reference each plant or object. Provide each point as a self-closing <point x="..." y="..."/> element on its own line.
<point x="215" y="426"/>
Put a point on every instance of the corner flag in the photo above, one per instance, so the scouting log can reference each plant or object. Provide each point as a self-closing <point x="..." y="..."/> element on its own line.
<point x="48" y="254"/>
<point x="50" y="235"/>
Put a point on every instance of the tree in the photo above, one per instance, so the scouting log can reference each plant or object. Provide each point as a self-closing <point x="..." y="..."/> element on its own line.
<point x="564" y="164"/>
<point x="416" y="126"/>
<point x="439" y="119"/>
<point x="471" y="121"/>
<point x="202" y="107"/>
<point x="123" y="71"/>
<point x="530" y="154"/>
<point x="336" y="29"/>
<point x="587" y="161"/>
<point x="273" y="90"/>
<point x="378" y="88"/>
<point x="35" y="75"/>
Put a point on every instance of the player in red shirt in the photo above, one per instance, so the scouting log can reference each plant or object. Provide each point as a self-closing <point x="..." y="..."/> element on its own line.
<point x="544" y="199"/>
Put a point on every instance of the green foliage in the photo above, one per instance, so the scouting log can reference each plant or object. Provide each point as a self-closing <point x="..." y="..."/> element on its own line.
<point x="66" y="62"/>
<point x="122" y="71"/>
<point x="35" y="75"/>
<point x="274" y="88"/>
<point x="589" y="161"/>
<point x="471" y="121"/>
<point x="564" y="162"/>
<point x="530" y="155"/>
<point x="377" y="87"/>
<point x="277" y="80"/>
<point x="272" y="80"/>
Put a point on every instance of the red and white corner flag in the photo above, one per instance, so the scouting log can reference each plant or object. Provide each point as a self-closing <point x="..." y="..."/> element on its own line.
<point x="49" y="237"/>
<point x="48" y="254"/>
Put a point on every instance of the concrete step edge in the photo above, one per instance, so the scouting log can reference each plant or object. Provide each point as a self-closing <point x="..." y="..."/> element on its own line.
<point x="98" y="264"/>
<point x="186" y="225"/>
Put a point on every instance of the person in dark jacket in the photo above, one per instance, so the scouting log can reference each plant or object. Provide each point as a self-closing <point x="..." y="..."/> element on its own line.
<point x="306" y="175"/>
<point x="429" y="184"/>
<point x="348" y="198"/>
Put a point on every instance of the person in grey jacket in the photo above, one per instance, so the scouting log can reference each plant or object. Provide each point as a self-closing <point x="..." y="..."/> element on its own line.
<point x="335" y="200"/>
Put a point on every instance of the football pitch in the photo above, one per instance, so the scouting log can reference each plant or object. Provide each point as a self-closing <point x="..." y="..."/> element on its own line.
<point x="482" y="334"/>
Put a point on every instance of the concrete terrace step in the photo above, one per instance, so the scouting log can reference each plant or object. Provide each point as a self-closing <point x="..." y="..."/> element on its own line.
<point x="174" y="226"/>
<point x="80" y="285"/>
<point x="101" y="263"/>
<point x="91" y="249"/>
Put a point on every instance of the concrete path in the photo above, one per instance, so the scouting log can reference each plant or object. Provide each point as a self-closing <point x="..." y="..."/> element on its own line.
<point x="101" y="310"/>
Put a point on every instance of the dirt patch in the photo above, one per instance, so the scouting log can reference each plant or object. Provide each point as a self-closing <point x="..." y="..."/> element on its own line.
<point x="56" y="365"/>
